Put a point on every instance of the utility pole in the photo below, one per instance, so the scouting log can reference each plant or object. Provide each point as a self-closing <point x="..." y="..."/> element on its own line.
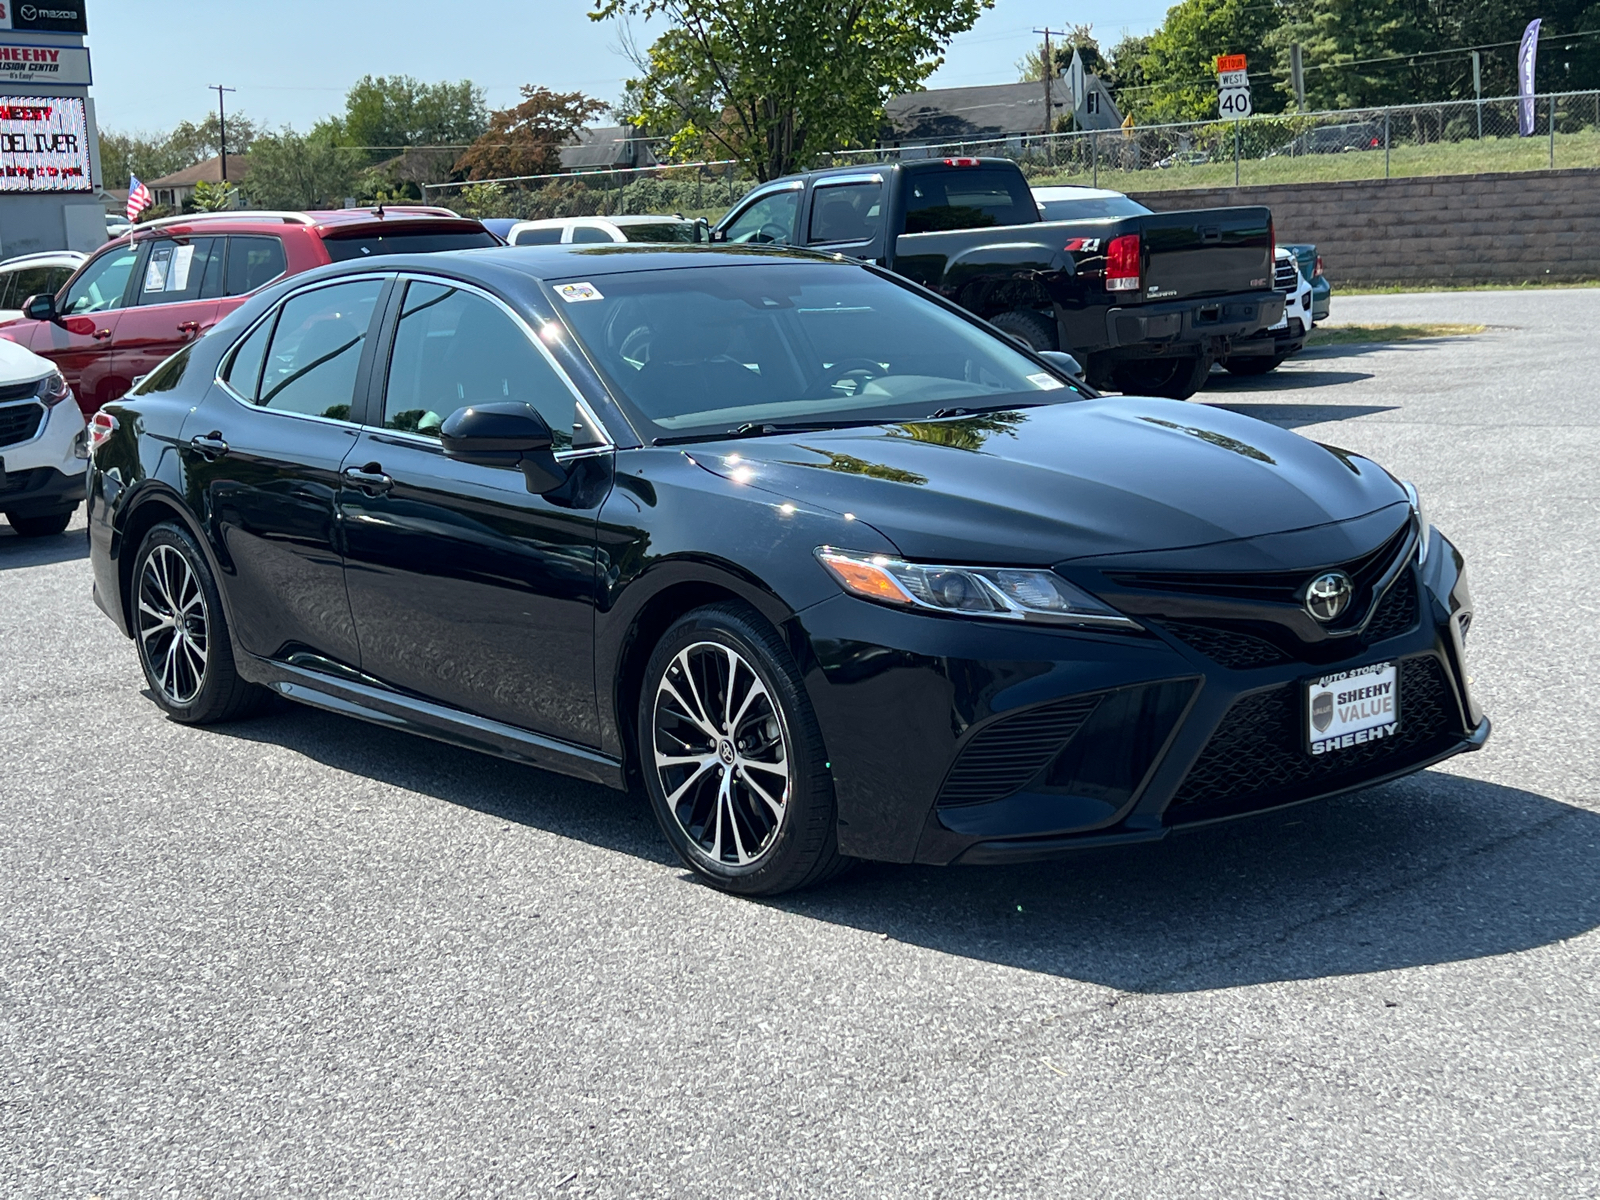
<point x="1297" y="72"/>
<point x="1049" y="73"/>
<point x="222" y="127"/>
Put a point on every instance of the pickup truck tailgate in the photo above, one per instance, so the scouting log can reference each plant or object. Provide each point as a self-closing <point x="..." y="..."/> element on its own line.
<point x="1209" y="252"/>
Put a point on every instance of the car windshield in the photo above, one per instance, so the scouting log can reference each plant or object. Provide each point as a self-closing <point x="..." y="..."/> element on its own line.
<point x="666" y="231"/>
<point x="1087" y="207"/>
<point x="704" y="350"/>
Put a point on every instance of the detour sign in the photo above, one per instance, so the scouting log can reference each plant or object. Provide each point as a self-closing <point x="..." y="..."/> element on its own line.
<point x="1230" y="62"/>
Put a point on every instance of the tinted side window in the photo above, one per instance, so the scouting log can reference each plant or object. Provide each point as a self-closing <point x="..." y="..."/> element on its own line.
<point x="55" y="279"/>
<point x="169" y="374"/>
<point x="174" y="271"/>
<point x="252" y="262"/>
<point x="846" y="212"/>
<point x="770" y="219"/>
<point x="316" y="348"/>
<point x="453" y="348"/>
<point x="30" y="281"/>
<point x="244" y="371"/>
<point x="589" y="233"/>
<point x="102" y="284"/>
<point x="539" y="237"/>
<point x="8" y="288"/>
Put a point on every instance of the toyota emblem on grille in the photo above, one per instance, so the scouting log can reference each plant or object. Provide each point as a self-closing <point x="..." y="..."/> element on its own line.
<point x="1328" y="595"/>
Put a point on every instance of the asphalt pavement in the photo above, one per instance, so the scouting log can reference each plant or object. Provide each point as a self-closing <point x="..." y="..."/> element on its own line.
<point x="304" y="956"/>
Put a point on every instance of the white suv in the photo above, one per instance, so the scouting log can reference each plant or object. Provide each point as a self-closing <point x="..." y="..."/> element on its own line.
<point x="32" y="274"/>
<point x="563" y="231"/>
<point x="43" y="446"/>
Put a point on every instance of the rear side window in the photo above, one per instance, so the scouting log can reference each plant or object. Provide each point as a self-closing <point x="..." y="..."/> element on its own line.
<point x="590" y="234"/>
<point x="681" y="232"/>
<point x="539" y="237"/>
<point x="254" y="262"/>
<point x="967" y="198"/>
<point x="846" y="212"/>
<point x="17" y="286"/>
<point x="402" y="242"/>
<point x="244" y="372"/>
<point x="316" y="348"/>
<point x="176" y="271"/>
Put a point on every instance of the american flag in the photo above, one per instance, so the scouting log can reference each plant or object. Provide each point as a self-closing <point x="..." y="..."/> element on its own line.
<point x="139" y="198"/>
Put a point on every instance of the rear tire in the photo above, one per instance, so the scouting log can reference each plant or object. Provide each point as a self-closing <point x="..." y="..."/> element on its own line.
<point x="182" y="634"/>
<point x="46" y="526"/>
<point x="1255" y="364"/>
<point x="1034" y="329"/>
<point x="732" y="756"/>
<point x="1175" y="378"/>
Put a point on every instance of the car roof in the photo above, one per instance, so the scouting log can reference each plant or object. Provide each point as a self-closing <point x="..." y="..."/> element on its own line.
<point x="337" y="221"/>
<point x="45" y="257"/>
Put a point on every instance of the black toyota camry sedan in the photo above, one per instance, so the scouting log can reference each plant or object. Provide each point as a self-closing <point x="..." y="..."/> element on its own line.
<point x="828" y="566"/>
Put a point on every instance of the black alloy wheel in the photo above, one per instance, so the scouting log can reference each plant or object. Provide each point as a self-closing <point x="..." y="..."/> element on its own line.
<point x="1176" y="378"/>
<point x="182" y="634"/>
<point x="732" y="756"/>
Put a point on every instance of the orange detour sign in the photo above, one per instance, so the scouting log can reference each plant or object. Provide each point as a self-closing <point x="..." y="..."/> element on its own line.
<point x="1230" y="62"/>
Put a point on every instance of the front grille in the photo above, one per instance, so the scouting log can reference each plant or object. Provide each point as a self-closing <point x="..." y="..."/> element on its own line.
<point x="1238" y="651"/>
<point x="13" y="482"/>
<point x="19" y="422"/>
<point x="1005" y="755"/>
<point x="1286" y="276"/>
<point x="1397" y="611"/>
<point x="1257" y="757"/>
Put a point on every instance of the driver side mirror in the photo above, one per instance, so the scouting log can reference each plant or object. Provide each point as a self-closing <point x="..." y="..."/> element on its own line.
<point x="40" y="308"/>
<point x="1062" y="361"/>
<point x="504" y="435"/>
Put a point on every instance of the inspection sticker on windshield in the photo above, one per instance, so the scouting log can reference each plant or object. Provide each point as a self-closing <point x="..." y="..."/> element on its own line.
<point x="572" y="293"/>
<point x="1045" y="383"/>
<point x="1352" y="708"/>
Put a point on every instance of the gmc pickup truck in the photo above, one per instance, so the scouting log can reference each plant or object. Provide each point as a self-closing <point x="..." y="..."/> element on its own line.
<point x="1146" y="301"/>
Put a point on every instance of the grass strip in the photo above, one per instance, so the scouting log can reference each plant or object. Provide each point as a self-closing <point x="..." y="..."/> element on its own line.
<point x="1368" y="335"/>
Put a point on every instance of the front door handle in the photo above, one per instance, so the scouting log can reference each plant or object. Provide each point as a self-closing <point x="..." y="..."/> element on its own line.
<point x="188" y="326"/>
<point x="101" y="335"/>
<point x="209" y="446"/>
<point x="369" y="479"/>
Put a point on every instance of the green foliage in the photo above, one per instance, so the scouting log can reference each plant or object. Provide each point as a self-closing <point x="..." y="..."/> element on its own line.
<point x="483" y="200"/>
<point x="1341" y="40"/>
<point x="150" y="156"/>
<point x="776" y="84"/>
<point x="387" y="114"/>
<point x="1080" y="38"/>
<point x="1178" y="62"/>
<point x="213" y="197"/>
<point x="527" y="139"/>
<point x="294" y="171"/>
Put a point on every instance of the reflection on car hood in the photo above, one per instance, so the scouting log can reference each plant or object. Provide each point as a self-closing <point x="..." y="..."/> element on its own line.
<point x="1118" y="475"/>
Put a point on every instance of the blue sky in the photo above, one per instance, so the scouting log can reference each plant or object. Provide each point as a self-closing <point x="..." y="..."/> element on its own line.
<point x="292" y="60"/>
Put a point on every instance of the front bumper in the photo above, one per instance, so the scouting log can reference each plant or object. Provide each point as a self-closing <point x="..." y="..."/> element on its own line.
<point x="956" y="740"/>
<point x="42" y="458"/>
<point x="39" y="491"/>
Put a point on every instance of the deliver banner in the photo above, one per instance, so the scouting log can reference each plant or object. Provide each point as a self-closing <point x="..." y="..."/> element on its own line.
<point x="44" y="144"/>
<point x="44" y="64"/>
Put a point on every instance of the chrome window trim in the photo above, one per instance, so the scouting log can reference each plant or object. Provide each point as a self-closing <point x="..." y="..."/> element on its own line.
<point x="589" y="415"/>
<point x="843" y="180"/>
<point x="233" y="351"/>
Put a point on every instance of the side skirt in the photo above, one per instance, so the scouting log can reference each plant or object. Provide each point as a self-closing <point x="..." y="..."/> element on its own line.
<point x="347" y="695"/>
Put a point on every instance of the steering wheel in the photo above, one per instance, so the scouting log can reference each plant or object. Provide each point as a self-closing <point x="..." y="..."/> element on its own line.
<point x="766" y="235"/>
<point x="859" y="371"/>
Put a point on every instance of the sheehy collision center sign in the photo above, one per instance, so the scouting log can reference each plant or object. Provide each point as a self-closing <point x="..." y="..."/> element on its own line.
<point x="44" y="144"/>
<point x="44" y="64"/>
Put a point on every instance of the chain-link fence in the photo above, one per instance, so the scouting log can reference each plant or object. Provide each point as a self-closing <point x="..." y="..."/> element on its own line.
<point x="1465" y="137"/>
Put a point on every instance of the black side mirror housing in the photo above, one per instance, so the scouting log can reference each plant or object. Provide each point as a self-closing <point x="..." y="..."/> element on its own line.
<point x="1062" y="360"/>
<point x="504" y="435"/>
<point x="40" y="308"/>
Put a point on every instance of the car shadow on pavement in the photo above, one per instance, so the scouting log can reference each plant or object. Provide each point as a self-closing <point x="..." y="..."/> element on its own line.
<point x="1436" y="868"/>
<point x="1292" y="416"/>
<point x="1281" y="380"/>
<point x="39" y="552"/>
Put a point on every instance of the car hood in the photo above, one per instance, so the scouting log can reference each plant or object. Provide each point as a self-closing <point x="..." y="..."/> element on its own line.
<point x="18" y="364"/>
<point x="1109" y="476"/>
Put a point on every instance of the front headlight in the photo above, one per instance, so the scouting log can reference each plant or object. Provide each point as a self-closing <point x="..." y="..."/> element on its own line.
<point x="1425" y="537"/>
<point x="1005" y="593"/>
<point x="53" y="389"/>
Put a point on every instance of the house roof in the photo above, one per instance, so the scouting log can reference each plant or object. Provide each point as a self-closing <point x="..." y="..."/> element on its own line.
<point x="953" y="114"/>
<point x="607" y="146"/>
<point x="209" y="171"/>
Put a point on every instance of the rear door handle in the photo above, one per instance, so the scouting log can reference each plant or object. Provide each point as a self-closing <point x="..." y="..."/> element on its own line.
<point x="369" y="479"/>
<point x="101" y="335"/>
<point x="209" y="446"/>
<point x="188" y="326"/>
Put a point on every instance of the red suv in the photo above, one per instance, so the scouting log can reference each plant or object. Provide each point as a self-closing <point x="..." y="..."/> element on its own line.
<point x="149" y="293"/>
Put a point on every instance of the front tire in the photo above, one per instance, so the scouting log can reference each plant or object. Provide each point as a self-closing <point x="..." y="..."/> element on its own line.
<point x="182" y="634"/>
<point x="1175" y="378"/>
<point x="45" y="526"/>
<point x="733" y="758"/>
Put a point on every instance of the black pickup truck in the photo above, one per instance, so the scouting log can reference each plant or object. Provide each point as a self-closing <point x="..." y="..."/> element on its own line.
<point x="1146" y="301"/>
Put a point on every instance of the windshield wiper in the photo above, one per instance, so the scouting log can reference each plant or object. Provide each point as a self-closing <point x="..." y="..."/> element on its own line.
<point x="766" y="429"/>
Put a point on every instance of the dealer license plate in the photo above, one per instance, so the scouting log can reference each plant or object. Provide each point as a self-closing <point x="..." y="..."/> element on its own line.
<point x="1352" y="708"/>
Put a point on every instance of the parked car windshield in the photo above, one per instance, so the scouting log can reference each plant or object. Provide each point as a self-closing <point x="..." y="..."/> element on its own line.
<point x="704" y="350"/>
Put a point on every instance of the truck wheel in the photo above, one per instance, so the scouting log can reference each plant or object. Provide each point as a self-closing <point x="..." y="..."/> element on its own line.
<point x="1255" y="364"/>
<point x="1175" y="378"/>
<point x="1035" y="330"/>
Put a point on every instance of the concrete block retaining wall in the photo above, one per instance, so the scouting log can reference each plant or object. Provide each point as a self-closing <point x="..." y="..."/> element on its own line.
<point x="1506" y="228"/>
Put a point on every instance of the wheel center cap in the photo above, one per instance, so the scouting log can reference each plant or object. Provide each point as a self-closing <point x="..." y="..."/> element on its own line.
<point x="725" y="752"/>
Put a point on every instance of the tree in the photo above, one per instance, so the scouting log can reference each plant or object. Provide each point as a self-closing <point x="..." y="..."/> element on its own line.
<point x="776" y="84"/>
<point x="1178" y="63"/>
<point x="293" y="171"/>
<point x="387" y="114"/>
<point x="213" y="197"/>
<point x="150" y="156"/>
<point x="1350" y="49"/>
<point x="1079" y="39"/>
<point x="527" y="139"/>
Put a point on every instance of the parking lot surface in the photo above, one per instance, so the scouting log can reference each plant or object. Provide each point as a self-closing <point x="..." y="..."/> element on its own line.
<point x="303" y="956"/>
